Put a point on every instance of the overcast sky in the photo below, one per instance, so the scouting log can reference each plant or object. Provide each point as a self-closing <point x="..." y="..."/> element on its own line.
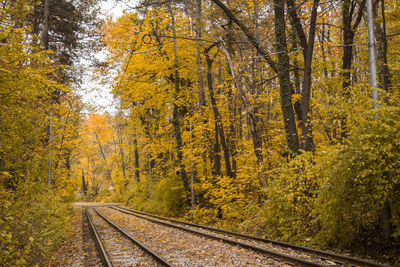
<point x="110" y="7"/>
<point x="93" y="93"/>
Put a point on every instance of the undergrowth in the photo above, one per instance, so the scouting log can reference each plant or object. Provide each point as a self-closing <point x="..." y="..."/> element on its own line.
<point x="33" y="223"/>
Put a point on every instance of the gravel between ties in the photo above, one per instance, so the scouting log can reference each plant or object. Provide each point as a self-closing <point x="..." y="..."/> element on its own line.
<point x="264" y="245"/>
<point x="185" y="249"/>
<point x="121" y="251"/>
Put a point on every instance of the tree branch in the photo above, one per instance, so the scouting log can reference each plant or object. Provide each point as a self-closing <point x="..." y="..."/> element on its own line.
<point x="249" y="36"/>
<point x="296" y="23"/>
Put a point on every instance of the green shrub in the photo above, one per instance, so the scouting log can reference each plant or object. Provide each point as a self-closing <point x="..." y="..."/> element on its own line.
<point x="291" y="195"/>
<point x="365" y="175"/>
<point x="167" y="196"/>
<point x="228" y="202"/>
<point x="33" y="222"/>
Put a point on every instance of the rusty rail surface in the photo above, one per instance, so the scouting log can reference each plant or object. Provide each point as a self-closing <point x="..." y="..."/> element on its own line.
<point x="100" y="248"/>
<point x="158" y="258"/>
<point x="343" y="259"/>
<point x="274" y="254"/>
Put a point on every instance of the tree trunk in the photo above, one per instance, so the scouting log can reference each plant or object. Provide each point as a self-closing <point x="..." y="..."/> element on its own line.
<point x="249" y="36"/>
<point x="349" y="30"/>
<point x="192" y="196"/>
<point x="292" y="137"/>
<point x="45" y="31"/>
<point x="108" y="171"/>
<point x="322" y="44"/>
<point x="45" y="42"/>
<point x="382" y="46"/>
<point x="215" y="155"/>
<point x="176" y="112"/>
<point x="386" y="225"/>
<point x="231" y="132"/>
<point x="255" y="133"/>
<point x="284" y="78"/>
<point x="149" y="174"/>
<point x="202" y="98"/>
<point x="84" y="187"/>
<point x="307" y="138"/>
<point x="217" y="115"/>
<point x="121" y="151"/>
<point x="297" y="78"/>
<point x="200" y="81"/>
<point x="348" y="39"/>
<point x="137" y="170"/>
<point x="307" y="143"/>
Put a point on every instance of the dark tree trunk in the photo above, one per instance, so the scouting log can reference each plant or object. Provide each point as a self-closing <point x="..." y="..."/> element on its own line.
<point x="307" y="143"/>
<point x="284" y="78"/>
<point x="84" y="187"/>
<point x="323" y="52"/>
<point x="297" y="77"/>
<point x="232" y="130"/>
<point x="108" y="171"/>
<point x="176" y="110"/>
<point x="386" y="225"/>
<point x="178" y="140"/>
<point x="232" y="144"/>
<point x="202" y="97"/>
<point x="382" y="46"/>
<point x="121" y="151"/>
<point x="45" y="31"/>
<point x="307" y="137"/>
<point x="215" y="155"/>
<point x="217" y="115"/>
<point x="349" y="29"/>
<point x="137" y="170"/>
<point x="348" y="39"/>
<point x="36" y="15"/>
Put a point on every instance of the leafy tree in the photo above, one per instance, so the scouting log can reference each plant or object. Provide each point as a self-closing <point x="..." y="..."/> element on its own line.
<point x="34" y="215"/>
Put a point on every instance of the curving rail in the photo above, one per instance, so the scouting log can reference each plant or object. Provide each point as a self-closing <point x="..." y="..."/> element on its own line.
<point x="274" y="254"/>
<point x="342" y="259"/>
<point x="158" y="258"/>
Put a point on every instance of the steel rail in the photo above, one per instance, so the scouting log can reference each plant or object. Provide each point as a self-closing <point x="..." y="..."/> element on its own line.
<point x="274" y="254"/>
<point x="324" y="254"/>
<point x="158" y="258"/>
<point x="103" y="254"/>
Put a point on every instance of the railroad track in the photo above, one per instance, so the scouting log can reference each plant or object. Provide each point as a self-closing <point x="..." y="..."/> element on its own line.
<point x="294" y="254"/>
<point x="187" y="255"/>
<point x="113" y="245"/>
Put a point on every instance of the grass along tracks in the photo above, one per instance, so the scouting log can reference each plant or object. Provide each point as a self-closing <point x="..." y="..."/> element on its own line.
<point x="294" y="254"/>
